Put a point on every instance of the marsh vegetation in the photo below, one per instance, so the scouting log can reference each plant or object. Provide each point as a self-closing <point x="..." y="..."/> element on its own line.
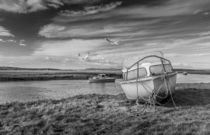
<point x="109" y="114"/>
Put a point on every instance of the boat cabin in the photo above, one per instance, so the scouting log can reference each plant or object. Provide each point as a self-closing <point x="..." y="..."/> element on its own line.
<point x="102" y="75"/>
<point x="146" y="70"/>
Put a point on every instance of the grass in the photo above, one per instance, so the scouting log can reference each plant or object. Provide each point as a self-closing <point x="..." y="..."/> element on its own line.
<point x="109" y="114"/>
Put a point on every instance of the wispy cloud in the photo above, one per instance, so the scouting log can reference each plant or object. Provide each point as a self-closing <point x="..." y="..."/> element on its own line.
<point x="2" y="40"/>
<point x="67" y="48"/>
<point x="52" y="30"/>
<point x="21" y="6"/>
<point x="207" y="33"/>
<point x="5" y="33"/>
<point x="116" y="28"/>
<point x="28" y="6"/>
<point x="22" y="43"/>
<point x="169" y="8"/>
<point x="89" y="10"/>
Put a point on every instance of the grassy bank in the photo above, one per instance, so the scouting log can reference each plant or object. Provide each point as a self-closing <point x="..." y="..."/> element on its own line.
<point x="109" y="114"/>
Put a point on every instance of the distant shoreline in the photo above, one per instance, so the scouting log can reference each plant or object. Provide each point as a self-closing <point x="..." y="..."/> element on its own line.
<point x="36" y="75"/>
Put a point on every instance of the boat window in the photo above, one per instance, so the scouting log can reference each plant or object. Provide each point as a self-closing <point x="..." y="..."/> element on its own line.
<point x="133" y="73"/>
<point x="158" y="69"/>
<point x="102" y="75"/>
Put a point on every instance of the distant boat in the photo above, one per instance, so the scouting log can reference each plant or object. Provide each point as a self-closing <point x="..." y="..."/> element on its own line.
<point x="147" y="79"/>
<point x="101" y="78"/>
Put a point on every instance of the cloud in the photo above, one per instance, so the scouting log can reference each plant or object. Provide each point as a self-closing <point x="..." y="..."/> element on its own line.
<point x="11" y="41"/>
<point x="173" y="26"/>
<point x="67" y="48"/>
<point x="51" y="30"/>
<point x="5" y="33"/>
<point x="2" y="40"/>
<point x="54" y="3"/>
<point x="88" y="7"/>
<point x="27" y="6"/>
<point x="89" y="10"/>
<point x="204" y="33"/>
<point x="22" y="43"/>
<point x="22" y="6"/>
<point x="55" y="31"/>
<point x="168" y="8"/>
<point x="117" y="29"/>
<point x="35" y="5"/>
<point x="134" y="20"/>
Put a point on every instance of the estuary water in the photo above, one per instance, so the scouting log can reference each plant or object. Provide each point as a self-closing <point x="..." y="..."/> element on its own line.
<point x="24" y="91"/>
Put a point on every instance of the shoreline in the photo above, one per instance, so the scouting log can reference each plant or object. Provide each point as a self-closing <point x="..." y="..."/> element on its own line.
<point x="108" y="114"/>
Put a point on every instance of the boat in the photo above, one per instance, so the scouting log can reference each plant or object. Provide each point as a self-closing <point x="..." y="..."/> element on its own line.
<point x="101" y="78"/>
<point x="151" y="77"/>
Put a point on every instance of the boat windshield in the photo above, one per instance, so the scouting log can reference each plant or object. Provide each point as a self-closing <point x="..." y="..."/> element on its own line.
<point x="158" y="69"/>
<point x="133" y="73"/>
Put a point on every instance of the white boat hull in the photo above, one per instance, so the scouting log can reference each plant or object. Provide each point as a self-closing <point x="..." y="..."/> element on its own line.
<point x="144" y="88"/>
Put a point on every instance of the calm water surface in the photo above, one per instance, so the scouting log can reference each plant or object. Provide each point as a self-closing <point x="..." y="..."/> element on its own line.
<point x="193" y="78"/>
<point x="34" y="90"/>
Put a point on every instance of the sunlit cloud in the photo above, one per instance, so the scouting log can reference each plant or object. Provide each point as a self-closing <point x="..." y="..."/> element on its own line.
<point x="96" y="30"/>
<point x="67" y="48"/>
<point x="2" y="40"/>
<point x="21" y="6"/>
<point x="28" y="6"/>
<point x="89" y="10"/>
<point x="11" y="41"/>
<point x="22" y="43"/>
<point x="5" y="33"/>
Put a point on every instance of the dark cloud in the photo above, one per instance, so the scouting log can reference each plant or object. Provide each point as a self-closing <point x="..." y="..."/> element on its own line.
<point x="149" y="3"/>
<point x="27" y="6"/>
<point x="26" y="25"/>
<point x="82" y="3"/>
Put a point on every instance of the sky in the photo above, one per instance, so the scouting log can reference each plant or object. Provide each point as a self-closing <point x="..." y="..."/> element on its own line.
<point x="61" y="33"/>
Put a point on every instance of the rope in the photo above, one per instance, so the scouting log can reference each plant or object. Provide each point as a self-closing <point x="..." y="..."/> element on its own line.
<point x="137" y="101"/>
<point x="152" y="99"/>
